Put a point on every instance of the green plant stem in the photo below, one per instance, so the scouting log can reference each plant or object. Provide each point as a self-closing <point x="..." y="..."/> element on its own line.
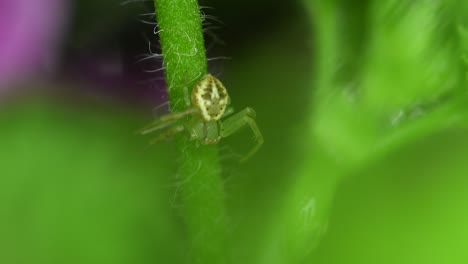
<point x="201" y="189"/>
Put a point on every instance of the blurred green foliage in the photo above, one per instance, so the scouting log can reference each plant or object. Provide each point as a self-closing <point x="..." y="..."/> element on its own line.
<point x="77" y="187"/>
<point x="363" y="108"/>
<point x="407" y="208"/>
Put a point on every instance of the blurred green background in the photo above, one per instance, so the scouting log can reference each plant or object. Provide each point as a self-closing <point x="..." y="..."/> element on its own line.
<point x="362" y="106"/>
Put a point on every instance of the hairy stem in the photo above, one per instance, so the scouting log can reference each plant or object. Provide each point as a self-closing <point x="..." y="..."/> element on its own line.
<point x="201" y="189"/>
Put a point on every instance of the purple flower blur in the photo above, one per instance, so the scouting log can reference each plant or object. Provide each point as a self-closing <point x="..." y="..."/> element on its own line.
<point x="30" y="36"/>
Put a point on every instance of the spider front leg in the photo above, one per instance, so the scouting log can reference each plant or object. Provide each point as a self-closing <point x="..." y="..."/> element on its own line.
<point x="239" y="120"/>
<point x="167" y="134"/>
<point x="166" y="121"/>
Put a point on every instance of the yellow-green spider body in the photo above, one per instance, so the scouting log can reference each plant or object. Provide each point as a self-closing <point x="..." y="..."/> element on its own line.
<point x="202" y="119"/>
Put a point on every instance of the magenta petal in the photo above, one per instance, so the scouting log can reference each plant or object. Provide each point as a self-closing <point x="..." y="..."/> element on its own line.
<point x="30" y="35"/>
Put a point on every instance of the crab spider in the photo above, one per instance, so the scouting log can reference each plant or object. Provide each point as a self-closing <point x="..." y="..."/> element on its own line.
<point x="202" y="118"/>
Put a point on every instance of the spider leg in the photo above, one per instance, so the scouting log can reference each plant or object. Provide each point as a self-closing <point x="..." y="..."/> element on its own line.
<point x="186" y="96"/>
<point x="160" y="110"/>
<point x="166" y="121"/>
<point x="228" y="112"/>
<point x="187" y="99"/>
<point x="239" y="120"/>
<point x="167" y="134"/>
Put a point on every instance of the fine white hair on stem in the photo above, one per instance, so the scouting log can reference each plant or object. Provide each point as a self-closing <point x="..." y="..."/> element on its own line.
<point x="148" y="57"/>
<point x="209" y="27"/>
<point x="210" y="24"/>
<point x="180" y="183"/>
<point x="151" y="51"/>
<point x="148" y="18"/>
<point x="205" y="7"/>
<point x="218" y="58"/>
<point x="192" y="53"/>
<point x="156" y="31"/>
<point x="206" y="18"/>
<point x="151" y="54"/>
<point x="155" y="70"/>
<point x="133" y="1"/>
<point x="217" y="74"/>
<point x="216" y="40"/>
<point x="194" y="78"/>
<point x="151" y="14"/>
<point x="153" y="23"/>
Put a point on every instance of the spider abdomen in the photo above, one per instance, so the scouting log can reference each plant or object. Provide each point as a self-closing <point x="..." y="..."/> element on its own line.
<point x="211" y="97"/>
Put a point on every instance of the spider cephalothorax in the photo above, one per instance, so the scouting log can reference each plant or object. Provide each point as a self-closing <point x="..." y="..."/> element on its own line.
<point x="209" y="104"/>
